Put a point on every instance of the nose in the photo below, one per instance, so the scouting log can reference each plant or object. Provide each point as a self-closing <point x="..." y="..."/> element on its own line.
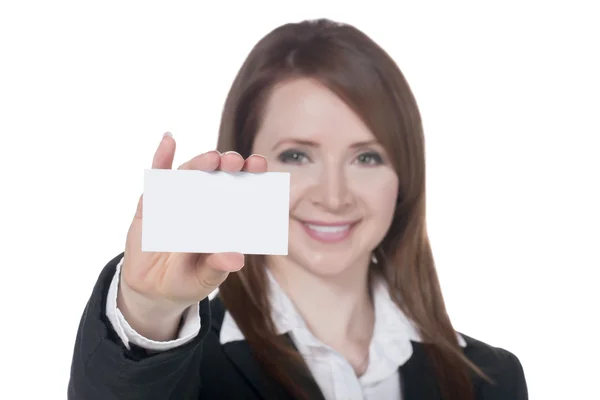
<point x="333" y="193"/>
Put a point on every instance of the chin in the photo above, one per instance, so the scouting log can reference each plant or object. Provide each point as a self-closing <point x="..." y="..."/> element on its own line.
<point x="326" y="266"/>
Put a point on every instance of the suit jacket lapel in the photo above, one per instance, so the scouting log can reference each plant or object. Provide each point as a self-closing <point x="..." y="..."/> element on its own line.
<point x="240" y="354"/>
<point x="306" y="379"/>
<point x="417" y="377"/>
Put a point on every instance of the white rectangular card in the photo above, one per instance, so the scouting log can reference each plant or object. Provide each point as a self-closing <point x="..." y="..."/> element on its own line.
<point x="213" y="212"/>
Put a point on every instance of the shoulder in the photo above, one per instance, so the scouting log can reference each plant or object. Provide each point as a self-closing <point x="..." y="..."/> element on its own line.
<point x="487" y="355"/>
<point x="501" y="366"/>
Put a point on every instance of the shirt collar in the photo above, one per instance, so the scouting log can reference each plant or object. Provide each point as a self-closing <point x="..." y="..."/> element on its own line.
<point x="392" y="327"/>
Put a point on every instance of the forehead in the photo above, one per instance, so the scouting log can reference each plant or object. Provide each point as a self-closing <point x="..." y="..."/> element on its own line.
<point x="305" y="109"/>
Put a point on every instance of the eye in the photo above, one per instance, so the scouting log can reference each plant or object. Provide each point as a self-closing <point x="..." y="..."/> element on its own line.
<point x="293" y="157"/>
<point x="370" y="158"/>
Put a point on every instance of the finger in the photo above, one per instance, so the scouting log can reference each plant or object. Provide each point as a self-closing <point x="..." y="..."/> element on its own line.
<point x="226" y="262"/>
<point x="255" y="163"/>
<point x="231" y="162"/>
<point x="216" y="267"/>
<point x="165" y="153"/>
<point x="204" y="162"/>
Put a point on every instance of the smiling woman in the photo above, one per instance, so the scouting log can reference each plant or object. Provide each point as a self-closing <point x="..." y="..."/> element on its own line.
<point x="354" y="310"/>
<point x="343" y="195"/>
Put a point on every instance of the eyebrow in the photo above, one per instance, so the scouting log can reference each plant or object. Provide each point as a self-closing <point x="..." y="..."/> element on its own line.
<point x="310" y="143"/>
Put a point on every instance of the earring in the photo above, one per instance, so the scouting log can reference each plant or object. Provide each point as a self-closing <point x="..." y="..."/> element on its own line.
<point x="374" y="258"/>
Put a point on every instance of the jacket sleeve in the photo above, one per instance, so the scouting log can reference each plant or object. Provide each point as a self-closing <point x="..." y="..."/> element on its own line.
<point x="103" y="368"/>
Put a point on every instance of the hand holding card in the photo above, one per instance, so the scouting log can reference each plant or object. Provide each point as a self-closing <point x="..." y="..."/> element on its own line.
<point x="157" y="286"/>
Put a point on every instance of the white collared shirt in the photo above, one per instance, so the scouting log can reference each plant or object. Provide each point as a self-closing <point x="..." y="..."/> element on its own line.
<point x="390" y="346"/>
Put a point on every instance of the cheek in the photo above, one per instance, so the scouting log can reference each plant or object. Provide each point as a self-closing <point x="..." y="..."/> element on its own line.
<point x="378" y="191"/>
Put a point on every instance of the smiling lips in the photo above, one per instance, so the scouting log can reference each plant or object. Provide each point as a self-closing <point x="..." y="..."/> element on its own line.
<point x="328" y="233"/>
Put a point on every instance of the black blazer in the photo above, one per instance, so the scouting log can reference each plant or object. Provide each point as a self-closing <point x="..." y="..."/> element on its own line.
<point x="103" y="368"/>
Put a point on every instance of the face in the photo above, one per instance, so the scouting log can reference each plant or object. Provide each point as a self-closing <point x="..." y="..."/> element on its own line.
<point x="343" y="187"/>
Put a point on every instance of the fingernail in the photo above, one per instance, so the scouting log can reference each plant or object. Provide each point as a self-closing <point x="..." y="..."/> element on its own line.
<point x="231" y="152"/>
<point x="169" y="134"/>
<point x="257" y="155"/>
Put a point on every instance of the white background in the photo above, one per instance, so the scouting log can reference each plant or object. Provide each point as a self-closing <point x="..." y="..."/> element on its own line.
<point x="510" y="97"/>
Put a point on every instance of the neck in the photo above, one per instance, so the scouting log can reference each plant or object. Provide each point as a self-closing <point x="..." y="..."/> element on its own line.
<point x="337" y="309"/>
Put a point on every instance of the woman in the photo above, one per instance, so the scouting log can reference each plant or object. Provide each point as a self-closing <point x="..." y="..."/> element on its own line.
<point x="354" y="310"/>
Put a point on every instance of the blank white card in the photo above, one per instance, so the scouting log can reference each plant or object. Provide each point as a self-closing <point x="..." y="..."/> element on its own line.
<point x="212" y="212"/>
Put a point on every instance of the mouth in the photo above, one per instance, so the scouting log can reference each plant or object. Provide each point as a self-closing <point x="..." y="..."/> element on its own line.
<point x="328" y="232"/>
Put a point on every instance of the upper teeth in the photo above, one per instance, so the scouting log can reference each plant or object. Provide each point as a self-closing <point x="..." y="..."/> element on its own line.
<point x="328" y="229"/>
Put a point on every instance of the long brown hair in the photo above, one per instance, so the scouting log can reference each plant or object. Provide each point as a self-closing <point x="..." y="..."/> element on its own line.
<point x="351" y="65"/>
